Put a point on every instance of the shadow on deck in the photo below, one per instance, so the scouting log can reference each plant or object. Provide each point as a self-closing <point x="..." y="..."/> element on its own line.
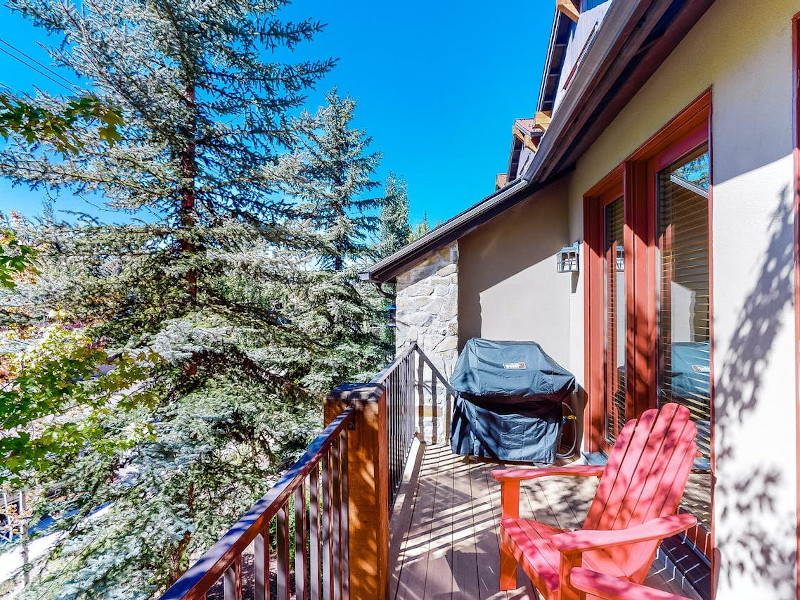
<point x="444" y="542"/>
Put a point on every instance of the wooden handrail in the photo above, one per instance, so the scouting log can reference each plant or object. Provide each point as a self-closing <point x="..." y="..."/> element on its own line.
<point x="381" y="415"/>
<point x="228" y="550"/>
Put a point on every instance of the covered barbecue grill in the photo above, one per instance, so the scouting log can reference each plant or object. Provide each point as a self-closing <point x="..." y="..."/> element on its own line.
<point x="508" y="401"/>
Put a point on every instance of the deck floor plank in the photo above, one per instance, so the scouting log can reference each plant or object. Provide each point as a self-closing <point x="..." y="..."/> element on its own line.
<point x="439" y="576"/>
<point x="489" y="567"/>
<point x="465" y="558"/>
<point x="450" y="547"/>
<point x="416" y="545"/>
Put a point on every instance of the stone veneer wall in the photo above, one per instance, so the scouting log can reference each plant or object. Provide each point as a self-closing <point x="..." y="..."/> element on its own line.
<point x="427" y="313"/>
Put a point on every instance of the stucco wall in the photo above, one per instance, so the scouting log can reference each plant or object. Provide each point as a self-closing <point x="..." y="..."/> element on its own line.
<point x="743" y="51"/>
<point x="508" y="285"/>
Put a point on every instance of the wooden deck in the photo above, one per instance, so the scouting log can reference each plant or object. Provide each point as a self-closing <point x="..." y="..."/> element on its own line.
<point x="444" y="542"/>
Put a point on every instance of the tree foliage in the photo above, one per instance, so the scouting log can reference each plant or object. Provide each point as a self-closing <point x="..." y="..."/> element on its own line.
<point x="395" y="230"/>
<point x="177" y="360"/>
<point x="332" y="178"/>
<point x="36" y="124"/>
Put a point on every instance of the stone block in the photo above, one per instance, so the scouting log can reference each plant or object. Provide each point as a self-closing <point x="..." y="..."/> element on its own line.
<point x="453" y="253"/>
<point x="419" y="319"/>
<point x="447" y="270"/>
<point x="449" y="310"/>
<point x="448" y="343"/>
<point x="414" y="303"/>
<point x="422" y="271"/>
<point x="442" y="290"/>
<point x="420" y="288"/>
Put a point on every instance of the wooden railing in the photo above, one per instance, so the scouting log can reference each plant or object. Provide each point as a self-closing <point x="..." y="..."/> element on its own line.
<point x="406" y="384"/>
<point x="315" y="492"/>
<point x="331" y="509"/>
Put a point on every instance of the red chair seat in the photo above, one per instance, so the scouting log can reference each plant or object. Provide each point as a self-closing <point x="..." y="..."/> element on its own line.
<point x="530" y="543"/>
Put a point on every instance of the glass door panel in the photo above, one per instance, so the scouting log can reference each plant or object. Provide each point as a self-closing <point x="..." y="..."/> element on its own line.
<point x="614" y="298"/>
<point x="683" y="310"/>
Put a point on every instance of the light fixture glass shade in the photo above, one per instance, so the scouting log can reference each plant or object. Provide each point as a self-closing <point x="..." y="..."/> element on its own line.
<point x="568" y="259"/>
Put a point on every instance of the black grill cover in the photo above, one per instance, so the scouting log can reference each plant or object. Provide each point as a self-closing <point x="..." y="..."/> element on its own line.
<point x="508" y="404"/>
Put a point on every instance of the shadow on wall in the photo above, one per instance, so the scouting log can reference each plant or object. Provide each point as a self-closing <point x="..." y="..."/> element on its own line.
<point x="750" y="550"/>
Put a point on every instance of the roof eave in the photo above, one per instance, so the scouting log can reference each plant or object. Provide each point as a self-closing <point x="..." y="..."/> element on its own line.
<point x="464" y="222"/>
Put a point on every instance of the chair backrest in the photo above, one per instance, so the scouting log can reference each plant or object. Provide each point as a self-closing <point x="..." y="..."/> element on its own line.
<point x="645" y="476"/>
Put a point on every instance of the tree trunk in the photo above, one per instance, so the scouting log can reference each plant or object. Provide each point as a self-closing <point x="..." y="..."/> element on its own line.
<point x="188" y="173"/>
<point x="188" y="158"/>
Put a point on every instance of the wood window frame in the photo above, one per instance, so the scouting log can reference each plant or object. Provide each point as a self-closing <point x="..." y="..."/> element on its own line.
<point x="606" y="191"/>
<point x="796" y="165"/>
<point x="635" y="180"/>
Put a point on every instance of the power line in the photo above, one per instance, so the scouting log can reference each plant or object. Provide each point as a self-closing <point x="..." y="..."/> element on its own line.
<point x="42" y="73"/>
<point x="42" y="65"/>
<point x="68" y="85"/>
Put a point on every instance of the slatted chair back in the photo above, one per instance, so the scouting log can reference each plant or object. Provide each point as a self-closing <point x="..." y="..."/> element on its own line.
<point x="645" y="476"/>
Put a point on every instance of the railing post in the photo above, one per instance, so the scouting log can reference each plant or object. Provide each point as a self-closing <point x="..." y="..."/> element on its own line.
<point x="368" y="487"/>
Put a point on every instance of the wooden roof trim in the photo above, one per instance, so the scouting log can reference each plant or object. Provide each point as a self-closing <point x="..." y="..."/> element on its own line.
<point x="570" y="8"/>
<point x="500" y="181"/>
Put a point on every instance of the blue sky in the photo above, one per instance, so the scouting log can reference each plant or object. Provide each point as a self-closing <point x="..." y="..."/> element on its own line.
<point x="438" y="85"/>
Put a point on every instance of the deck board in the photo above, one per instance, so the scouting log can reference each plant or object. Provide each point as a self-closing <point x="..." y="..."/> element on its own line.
<point x="447" y="529"/>
<point x="465" y="559"/>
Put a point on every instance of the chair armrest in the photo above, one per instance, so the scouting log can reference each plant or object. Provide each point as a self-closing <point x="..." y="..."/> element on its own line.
<point x="522" y="474"/>
<point x="584" y="540"/>
<point x="612" y="588"/>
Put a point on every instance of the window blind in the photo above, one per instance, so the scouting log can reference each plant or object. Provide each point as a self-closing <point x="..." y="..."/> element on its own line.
<point x="683" y="311"/>
<point x="615" y="320"/>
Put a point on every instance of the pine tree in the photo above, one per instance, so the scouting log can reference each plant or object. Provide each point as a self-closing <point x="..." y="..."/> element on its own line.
<point x="198" y="294"/>
<point x="395" y="231"/>
<point x="336" y="174"/>
<point x="421" y="228"/>
<point x="331" y="180"/>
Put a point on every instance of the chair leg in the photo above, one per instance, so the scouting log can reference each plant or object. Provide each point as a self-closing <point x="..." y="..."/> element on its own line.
<point x="508" y="568"/>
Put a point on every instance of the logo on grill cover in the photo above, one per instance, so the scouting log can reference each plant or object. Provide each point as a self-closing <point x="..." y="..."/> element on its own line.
<point x="514" y="366"/>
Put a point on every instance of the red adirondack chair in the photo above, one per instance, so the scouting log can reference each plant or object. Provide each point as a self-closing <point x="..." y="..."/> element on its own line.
<point x="633" y="509"/>
<point x="611" y="588"/>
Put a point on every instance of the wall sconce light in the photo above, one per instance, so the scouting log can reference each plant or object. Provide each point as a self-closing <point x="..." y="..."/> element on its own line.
<point x="391" y="323"/>
<point x="567" y="258"/>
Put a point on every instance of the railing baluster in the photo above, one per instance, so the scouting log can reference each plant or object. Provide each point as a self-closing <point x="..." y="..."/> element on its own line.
<point x="300" y="555"/>
<point x="336" y="522"/>
<point x="421" y="394"/>
<point x="448" y="415"/>
<point x="326" y="528"/>
<point x="434" y="408"/>
<point x="224" y="560"/>
<point x="282" y="520"/>
<point x="345" y="546"/>
<point x="313" y="534"/>
<point x="232" y="581"/>
<point x="410" y="399"/>
<point x="261" y="565"/>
